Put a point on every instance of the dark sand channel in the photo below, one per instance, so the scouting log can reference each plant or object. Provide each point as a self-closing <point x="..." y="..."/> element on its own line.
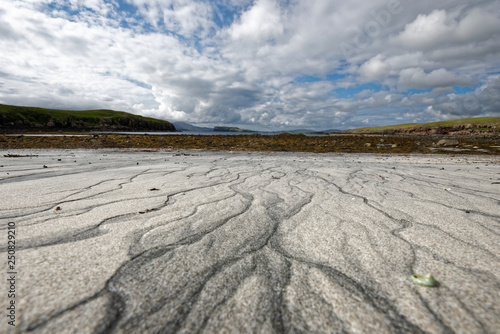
<point x="115" y="241"/>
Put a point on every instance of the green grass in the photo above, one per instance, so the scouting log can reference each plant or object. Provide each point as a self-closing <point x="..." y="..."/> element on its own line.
<point x="476" y="121"/>
<point x="42" y="115"/>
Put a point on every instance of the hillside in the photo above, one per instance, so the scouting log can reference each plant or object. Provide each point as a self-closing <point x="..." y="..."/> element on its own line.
<point x="31" y="118"/>
<point x="230" y="129"/>
<point x="482" y="126"/>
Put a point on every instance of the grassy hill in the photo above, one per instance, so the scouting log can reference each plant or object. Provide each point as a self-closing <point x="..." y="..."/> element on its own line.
<point x="31" y="118"/>
<point x="464" y="126"/>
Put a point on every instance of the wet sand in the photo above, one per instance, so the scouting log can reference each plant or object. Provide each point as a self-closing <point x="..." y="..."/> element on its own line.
<point x="135" y="241"/>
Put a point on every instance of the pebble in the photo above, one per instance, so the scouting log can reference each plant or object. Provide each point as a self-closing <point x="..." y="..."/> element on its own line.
<point x="447" y="142"/>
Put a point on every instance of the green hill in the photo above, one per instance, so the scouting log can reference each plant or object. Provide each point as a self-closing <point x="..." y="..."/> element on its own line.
<point x="31" y="118"/>
<point x="464" y="126"/>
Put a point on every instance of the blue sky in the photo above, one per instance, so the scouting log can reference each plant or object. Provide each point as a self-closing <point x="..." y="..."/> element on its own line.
<point x="263" y="64"/>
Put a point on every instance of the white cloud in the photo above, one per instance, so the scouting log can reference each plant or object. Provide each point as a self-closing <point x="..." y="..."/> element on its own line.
<point x="446" y="28"/>
<point x="184" y="17"/>
<point x="375" y="68"/>
<point x="417" y="78"/>
<point x="244" y="61"/>
<point x="261" y="23"/>
<point x="478" y="25"/>
<point x="427" y="31"/>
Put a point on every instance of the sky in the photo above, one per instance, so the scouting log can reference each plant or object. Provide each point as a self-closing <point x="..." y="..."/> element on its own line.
<point x="256" y="64"/>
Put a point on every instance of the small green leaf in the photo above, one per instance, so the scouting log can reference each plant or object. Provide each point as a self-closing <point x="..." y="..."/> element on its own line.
<point x="424" y="280"/>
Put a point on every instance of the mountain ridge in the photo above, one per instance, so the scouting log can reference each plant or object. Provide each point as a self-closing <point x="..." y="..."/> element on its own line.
<point x="183" y="126"/>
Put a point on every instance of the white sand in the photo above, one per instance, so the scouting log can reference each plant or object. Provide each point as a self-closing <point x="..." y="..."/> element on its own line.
<point x="198" y="241"/>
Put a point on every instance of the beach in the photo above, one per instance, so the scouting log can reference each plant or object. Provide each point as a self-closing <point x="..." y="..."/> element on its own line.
<point x="196" y="241"/>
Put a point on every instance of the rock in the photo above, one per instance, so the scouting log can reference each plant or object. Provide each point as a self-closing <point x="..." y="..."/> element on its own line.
<point x="448" y="142"/>
<point x="436" y="130"/>
<point x="394" y="145"/>
<point x="368" y="145"/>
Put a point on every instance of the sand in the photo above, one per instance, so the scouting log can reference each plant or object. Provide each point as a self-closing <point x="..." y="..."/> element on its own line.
<point x="125" y="241"/>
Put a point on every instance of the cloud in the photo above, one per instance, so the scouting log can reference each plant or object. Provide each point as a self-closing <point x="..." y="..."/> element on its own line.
<point x="442" y="27"/>
<point x="478" y="25"/>
<point x="427" y="31"/>
<point x="417" y="78"/>
<point x="261" y="63"/>
<point x="182" y="17"/>
<point x="261" y="23"/>
<point x="374" y="68"/>
<point x="6" y="29"/>
<point x="483" y="101"/>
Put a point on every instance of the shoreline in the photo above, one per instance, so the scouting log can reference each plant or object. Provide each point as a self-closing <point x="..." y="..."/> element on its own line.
<point x="337" y="143"/>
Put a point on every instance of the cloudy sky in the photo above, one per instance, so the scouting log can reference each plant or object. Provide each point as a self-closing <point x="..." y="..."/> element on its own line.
<point x="259" y="64"/>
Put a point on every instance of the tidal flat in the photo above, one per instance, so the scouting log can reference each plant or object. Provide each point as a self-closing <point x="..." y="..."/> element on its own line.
<point x="197" y="241"/>
<point x="285" y="142"/>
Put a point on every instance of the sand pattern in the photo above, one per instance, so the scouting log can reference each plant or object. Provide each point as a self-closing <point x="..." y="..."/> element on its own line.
<point x="204" y="242"/>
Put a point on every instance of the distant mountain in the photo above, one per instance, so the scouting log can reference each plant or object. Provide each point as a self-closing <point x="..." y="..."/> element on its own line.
<point x="183" y="126"/>
<point x="310" y="131"/>
<point x="300" y="131"/>
<point x="230" y="129"/>
<point x="31" y="118"/>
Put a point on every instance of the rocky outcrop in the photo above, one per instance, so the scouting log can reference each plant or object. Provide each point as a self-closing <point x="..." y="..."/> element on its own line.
<point x="462" y="130"/>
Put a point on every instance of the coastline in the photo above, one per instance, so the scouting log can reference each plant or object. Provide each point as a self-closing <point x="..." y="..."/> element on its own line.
<point x="339" y="143"/>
